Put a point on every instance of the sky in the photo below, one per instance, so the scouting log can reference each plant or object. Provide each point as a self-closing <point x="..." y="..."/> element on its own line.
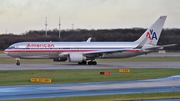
<point x="20" y="16"/>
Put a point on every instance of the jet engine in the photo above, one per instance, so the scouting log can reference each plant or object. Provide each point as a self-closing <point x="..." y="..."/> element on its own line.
<point x="76" y="57"/>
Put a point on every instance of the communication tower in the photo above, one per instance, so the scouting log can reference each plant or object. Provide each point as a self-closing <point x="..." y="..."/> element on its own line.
<point x="46" y="26"/>
<point x="59" y="28"/>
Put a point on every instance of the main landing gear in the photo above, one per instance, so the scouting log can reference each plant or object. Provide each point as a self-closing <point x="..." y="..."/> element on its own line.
<point x="92" y="63"/>
<point x="18" y="61"/>
<point x="89" y="63"/>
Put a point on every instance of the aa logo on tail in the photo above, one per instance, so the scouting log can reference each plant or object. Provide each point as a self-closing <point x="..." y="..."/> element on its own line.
<point x="151" y="35"/>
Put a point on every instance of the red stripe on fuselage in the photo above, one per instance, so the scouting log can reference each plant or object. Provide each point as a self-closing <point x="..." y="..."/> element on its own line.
<point x="31" y="50"/>
<point x="132" y="51"/>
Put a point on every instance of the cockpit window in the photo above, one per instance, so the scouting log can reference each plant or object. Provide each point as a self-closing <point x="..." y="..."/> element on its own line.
<point x="12" y="47"/>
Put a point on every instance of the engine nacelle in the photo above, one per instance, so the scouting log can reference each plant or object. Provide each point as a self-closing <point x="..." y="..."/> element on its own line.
<point x="76" y="57"/>
<point x="63" y="54"/>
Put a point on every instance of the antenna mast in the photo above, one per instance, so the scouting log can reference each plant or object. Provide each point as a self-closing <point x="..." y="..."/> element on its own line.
<point x="59" y="28"/>
<point x="72" y="26"/>
<point x="46" y="26"/>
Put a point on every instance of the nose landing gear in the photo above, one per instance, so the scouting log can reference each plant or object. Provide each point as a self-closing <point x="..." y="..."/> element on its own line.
<point x="18" y="61"/>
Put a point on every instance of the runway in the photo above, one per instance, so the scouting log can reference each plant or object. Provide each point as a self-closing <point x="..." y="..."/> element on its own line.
<point x="169" y="84"/>
<point x="101" y="65"/>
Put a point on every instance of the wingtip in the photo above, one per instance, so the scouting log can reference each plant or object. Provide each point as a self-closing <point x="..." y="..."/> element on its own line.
<point x="163" y="16"/>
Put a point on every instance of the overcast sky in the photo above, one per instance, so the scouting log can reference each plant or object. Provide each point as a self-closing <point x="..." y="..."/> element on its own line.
<point x="19" y="16"/>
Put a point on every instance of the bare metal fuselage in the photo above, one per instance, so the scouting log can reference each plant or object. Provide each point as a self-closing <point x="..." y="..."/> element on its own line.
<point x="52" y="50"/>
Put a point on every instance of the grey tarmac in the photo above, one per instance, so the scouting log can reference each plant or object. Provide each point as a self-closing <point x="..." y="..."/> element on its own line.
<point x="101" y="65"/>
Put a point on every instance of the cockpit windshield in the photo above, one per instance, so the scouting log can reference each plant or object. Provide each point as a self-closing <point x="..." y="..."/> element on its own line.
<point x="11" y="47"/>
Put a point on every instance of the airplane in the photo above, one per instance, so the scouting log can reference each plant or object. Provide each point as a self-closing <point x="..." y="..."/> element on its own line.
<point x="86" y="52"/>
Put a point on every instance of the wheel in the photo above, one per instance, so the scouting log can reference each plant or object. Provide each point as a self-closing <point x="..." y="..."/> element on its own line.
<point x="90" y="63"/>
<point x="79" y="63"/>
<point x="84" y="62"/>
<point x="94" y="63"/>
<point x="18" y="63"/>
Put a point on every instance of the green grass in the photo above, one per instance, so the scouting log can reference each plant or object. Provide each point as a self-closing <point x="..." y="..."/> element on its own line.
<point x="132" y="59"/>
<point x="20" y="77"/>
<point x="118" y="97"/>
<point x="73" y="76"/>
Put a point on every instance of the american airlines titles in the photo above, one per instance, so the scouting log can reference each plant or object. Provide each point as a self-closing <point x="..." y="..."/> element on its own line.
<point x="40" y="46"/>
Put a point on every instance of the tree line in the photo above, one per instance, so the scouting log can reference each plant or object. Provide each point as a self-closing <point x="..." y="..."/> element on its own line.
<point x="168" y="36"/>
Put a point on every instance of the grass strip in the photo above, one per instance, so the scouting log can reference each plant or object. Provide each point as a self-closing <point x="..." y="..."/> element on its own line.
<point x="20" y="77"/>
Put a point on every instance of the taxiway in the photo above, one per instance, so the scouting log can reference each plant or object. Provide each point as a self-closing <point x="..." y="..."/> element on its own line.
<point x="169" y="84"/>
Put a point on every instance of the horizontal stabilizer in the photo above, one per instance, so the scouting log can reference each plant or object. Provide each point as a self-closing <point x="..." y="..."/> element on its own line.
<point x="160" y="47"/>
<point x="169" y="45"/>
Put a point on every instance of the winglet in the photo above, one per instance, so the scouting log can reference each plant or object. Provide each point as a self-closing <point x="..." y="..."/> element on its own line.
<point x="89" y="39"/>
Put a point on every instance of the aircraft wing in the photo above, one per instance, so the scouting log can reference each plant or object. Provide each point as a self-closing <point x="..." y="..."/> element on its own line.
<point x="106" y="51"/>
<point x="109" y="51"/>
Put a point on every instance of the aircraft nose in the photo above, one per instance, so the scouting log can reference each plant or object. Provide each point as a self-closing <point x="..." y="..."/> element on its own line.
<point x="5" y="52"/>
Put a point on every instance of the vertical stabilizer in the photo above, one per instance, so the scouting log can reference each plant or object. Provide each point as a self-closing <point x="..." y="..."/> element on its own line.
<point x="153" y="33"/>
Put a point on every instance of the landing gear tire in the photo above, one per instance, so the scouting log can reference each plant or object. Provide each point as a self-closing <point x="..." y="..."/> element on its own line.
<point x="82" y="63"/>
<point x="79" y="63"/>
<point x="89" y="63"/>
<point x="18" y="63"/>
<point x="92" y="63"/>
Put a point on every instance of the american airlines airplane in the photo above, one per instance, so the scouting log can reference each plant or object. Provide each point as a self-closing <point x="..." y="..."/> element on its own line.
<point x="86" y="52"/>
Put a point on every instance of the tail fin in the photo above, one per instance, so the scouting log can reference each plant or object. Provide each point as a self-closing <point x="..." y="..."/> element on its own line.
<point x="153" y="33"/>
